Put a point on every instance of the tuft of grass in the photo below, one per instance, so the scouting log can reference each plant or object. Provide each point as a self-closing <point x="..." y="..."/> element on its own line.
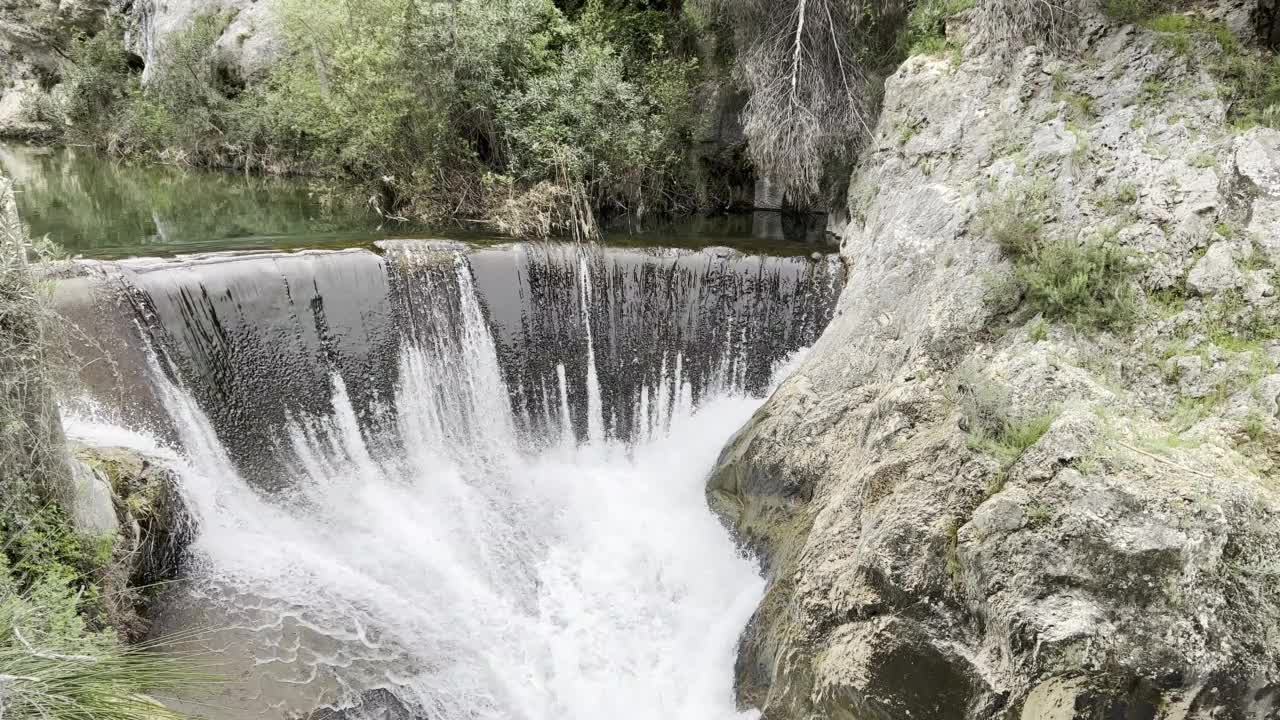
<point x="1151" y="91"/>
<point x="1203" y="160"/>
<point x="1237" y="325"/>
<point x="1257" y="259"/>
<point x="1123" y="199"/>
<point x="1038" y="331"/>
<point x="988" y="415"/>
<point x="54" y="669"/>
<point x="1079" y="106"/>
<point x="1254" y="427"/>
<point x="1039" y="514"/>
<point x="1009" y="441"/>
<point x="926" y="31"/>
<point x="1173" y="23"/>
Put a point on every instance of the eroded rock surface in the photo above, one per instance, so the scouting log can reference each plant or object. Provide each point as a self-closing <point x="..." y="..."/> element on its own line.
<point x="250" y="40"/>
<point x="1121" y="566"/>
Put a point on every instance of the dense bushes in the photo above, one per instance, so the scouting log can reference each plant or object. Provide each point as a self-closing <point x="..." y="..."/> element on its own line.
<point x="439" y="109"/>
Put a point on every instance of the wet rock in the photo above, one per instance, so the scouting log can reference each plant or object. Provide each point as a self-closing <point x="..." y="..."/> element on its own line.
<point x="378" y="704"/>
<point x="93" y="511"/>
<point x="153" y="520"/>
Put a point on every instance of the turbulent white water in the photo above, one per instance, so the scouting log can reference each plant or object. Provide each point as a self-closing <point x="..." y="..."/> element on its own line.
<point x="469" y="576"/>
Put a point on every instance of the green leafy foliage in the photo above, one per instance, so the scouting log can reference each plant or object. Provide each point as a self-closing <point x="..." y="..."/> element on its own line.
<point x="1088" y="283"/>
<point x="926" y="30"/>
<point x="436" y="108"/>
<point x="57" y="669"/>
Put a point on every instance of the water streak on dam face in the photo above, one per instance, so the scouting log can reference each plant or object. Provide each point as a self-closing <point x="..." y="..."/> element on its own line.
<point x="256" y="337"/>
<point x="445" y="482"/>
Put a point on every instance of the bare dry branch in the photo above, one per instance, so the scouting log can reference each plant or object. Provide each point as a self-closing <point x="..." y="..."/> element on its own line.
<point x="809" y="69"/>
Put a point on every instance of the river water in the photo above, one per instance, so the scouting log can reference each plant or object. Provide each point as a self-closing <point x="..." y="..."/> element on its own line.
<point x="94" y="207"/>
<point x="434" y="479"/>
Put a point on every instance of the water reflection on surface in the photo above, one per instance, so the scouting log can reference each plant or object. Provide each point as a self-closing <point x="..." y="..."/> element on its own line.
<point x="95" y="207"/>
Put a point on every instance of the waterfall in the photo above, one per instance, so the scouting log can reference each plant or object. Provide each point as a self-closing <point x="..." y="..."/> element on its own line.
<point x="416" y="532"/>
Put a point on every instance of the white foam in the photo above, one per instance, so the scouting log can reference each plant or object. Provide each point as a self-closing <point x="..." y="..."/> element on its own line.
<point x="470" y="577"/>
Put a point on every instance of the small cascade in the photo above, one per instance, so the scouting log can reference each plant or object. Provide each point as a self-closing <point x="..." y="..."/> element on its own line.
<point x="475" y="484"/>
<point x="595" y="409"/>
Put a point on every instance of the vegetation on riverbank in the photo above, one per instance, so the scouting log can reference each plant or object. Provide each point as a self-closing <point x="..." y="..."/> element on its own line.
<point x="61" y="654"/>
<point x="536" y="116"/>
<point x="523" y="112"/>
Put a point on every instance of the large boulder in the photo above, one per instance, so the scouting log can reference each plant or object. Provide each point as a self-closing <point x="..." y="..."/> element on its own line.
<point x="138" y="499"/>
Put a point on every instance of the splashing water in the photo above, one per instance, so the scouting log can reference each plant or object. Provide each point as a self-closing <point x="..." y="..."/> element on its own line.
<point x="459" y="571"/>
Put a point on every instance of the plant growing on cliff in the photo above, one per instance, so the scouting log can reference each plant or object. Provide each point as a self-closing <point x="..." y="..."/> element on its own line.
<point x="994" y="424"/>
<point x="1086" y="282"/>
<point x="926" y="28"/>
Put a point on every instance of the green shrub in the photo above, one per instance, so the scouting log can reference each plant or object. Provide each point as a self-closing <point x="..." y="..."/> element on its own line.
<point x="1088" y="283"/>
<point x="1133" y="11"/>
<point x="926" y="29"/>
<point x="54" y="668"/>
<point x="100" y="82"/>
<point x="420" y="102"/>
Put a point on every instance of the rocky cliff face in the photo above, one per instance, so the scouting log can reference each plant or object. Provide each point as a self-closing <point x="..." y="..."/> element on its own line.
<point x="1119" y="560"/>
<point x="249" y="43"/>
<point x="36" y="40"/>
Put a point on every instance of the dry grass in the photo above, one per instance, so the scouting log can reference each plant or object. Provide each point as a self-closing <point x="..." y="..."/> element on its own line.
<point x="1017" y="23"/>
<point x="31" y="447"/>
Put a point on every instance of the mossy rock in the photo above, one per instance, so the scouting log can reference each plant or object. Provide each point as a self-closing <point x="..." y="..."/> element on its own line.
<point x="155" y="527"/>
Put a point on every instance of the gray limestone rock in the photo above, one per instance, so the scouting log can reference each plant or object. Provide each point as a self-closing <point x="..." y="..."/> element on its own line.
<point x="248" y="44"/>
<point x="1117" y="567"/>
<point x="1216" y="272"/>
